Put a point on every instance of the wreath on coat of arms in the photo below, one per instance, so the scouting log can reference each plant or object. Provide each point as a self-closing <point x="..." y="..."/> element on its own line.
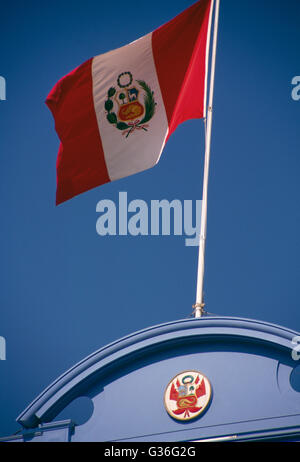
<point x="131" y="114"/>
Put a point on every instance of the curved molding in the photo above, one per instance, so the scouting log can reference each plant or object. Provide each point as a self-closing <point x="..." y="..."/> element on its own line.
<point x="66" y="387"/>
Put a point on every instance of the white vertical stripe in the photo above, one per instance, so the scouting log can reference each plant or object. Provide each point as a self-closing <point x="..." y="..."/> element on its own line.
<point x="141" y="149"/>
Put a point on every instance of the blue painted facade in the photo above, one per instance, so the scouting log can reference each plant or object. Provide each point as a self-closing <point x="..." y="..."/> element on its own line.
<point x="248" y="363"/>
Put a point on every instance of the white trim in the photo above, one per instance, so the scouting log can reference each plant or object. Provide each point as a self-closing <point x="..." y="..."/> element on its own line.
<point x="218" y="439"/>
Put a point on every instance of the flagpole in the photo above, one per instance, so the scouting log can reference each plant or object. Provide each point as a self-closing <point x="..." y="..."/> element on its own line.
<point x="199" y="305"/>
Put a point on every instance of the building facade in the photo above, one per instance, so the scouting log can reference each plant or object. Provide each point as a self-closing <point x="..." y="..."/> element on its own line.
<point x="213" y="378"/>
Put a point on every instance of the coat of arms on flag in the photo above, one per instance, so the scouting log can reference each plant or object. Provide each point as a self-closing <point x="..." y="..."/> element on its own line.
<point x="132" y="114"/>
<point x="187" y="395"/>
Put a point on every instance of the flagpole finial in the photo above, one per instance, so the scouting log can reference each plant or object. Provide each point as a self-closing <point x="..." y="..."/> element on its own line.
<point x="198" y="309"/>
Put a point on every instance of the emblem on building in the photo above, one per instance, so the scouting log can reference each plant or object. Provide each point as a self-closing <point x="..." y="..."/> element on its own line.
<point x="187" y="395"/>
<point x="124" y="106"/>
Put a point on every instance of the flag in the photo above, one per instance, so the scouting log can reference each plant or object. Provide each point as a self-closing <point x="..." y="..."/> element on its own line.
<point x="115" y="112"/>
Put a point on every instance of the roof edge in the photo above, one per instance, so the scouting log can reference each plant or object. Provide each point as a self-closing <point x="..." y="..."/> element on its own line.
<point x="174" y="331"/>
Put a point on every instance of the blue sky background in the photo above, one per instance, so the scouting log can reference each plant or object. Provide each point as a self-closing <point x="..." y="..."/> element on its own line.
<point x="64" y="290"/>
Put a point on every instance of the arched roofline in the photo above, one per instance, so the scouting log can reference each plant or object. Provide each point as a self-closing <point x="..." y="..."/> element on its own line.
<point x="69" y="385"/>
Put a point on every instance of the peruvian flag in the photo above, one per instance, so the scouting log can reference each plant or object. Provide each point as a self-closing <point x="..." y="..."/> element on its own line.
<point x="115" y="112"/>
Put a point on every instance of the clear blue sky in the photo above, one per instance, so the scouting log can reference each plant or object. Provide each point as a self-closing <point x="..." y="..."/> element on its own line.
<point x="65" y="291"/>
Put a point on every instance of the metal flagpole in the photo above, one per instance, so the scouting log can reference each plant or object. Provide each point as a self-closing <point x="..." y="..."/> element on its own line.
<point x="199" y="305"/>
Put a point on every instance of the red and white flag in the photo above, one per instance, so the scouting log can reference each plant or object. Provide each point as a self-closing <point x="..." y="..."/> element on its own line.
<point x="115" y="112"/>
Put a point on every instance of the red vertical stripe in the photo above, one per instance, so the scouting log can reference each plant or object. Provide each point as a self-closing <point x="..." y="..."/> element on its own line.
<point x="179" y="49"/>
<point x="80" y="162"/>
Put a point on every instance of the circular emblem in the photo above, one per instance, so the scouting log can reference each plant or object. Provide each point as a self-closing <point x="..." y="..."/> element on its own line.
<point x="187" y="395"/>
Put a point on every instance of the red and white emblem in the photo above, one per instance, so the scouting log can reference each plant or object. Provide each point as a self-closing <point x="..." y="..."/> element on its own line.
<point x="187" y="395"/>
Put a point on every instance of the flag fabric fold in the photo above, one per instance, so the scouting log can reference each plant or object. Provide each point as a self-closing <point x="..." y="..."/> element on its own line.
<point x="114" y="113"/>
